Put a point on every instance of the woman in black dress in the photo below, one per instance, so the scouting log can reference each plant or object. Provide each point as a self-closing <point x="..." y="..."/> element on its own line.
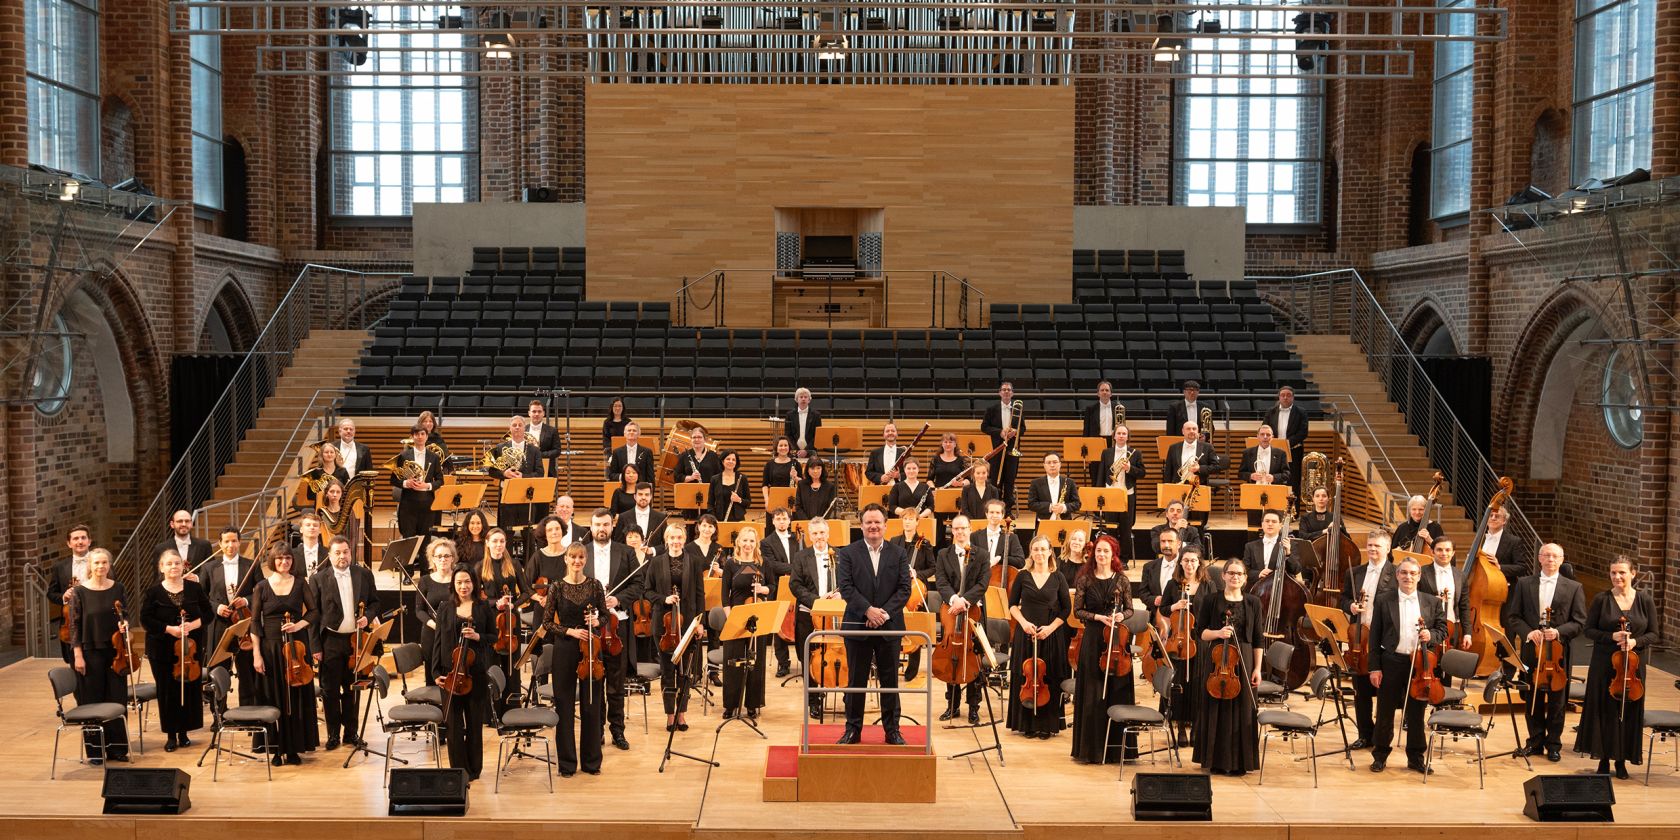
<point x="674" y="586"/>
<point x="1180" y="602"/>
<point x="731" y="498"/>
<point x="93" y="621"/>
<point x="911" y="492"/>
<point x="469" y="540"/>
<point x="576" y="604"/>
<point x="943" y="469"/>
<point x="815" y="495"/>
<point x="613" y="426"/>
<point x="1227" y="734"/>
<point x="624" y="495"/>
<point x="1073" y="556"/>
<point x="1610" y="729"/>
<point x="278" y="599"/>
<point x="502" y="583"/>
<point x="173" y="606"/>
<point x="338" y="520"/>
<point x="465" y="620"/>
<point x="1105" y="599"/>
<point x="744" y="583"/>
<point x="1038" y="602"/>
<point x="1315" y="522"/>
<point x="973" y="499"/>
<point x="329" y="464"/>
<point x="431" y="593"/>
<point x="780" y="471"/>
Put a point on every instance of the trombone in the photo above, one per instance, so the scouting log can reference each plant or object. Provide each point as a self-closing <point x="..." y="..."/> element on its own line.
<point x="1015" y="408"/>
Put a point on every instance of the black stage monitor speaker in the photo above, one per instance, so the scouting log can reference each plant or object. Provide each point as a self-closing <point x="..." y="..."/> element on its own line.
<point x="146" y="790"/>
<point x="1172" y="796"/>
<point x="1569" y="799"/>
<point x="539" y="195"/>
<point x="429" y="791"/>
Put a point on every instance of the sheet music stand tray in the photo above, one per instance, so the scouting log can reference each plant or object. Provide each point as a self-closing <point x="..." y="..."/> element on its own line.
<point x="529" y="492"/>
<point x="691" y="495"/>
<point x="1082" y="450"/>
<point x="679" y="664"/>
<point x="1331" y="625"/>
<point x="226" y="644"/>
<point x="751" y="622"/>
<point x="1259" y="497"/>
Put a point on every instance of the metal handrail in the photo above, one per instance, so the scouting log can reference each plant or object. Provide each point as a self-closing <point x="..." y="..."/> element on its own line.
<point x="1339" y="302"/>
<point x="925" y="689"/>
<point x="37" y="638"/>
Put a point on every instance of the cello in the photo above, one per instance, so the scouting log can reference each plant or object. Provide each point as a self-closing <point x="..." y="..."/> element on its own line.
<point x="1285" y="612"/>
<point x="1480" y="576"/>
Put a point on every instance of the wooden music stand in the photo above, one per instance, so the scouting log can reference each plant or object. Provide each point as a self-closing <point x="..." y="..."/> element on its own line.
<point x="691" y="495"/>
<point x="714" y="591"/>
<point x="1258" y="497"/>
<point x="1164" y="443"/>
<point x="873" y="494"/>
<point x="1103" y="501"/>
<point x="997" y="604"/>
<point x="1058" y="530"/>
<point x="781" y="497"/>
<point x="830" y="610"/>
<point x="924" y="527"/>
<point x="1168" y="492"/>
<point x="945" y="501"/>
<point x="837" y="439"/>
<point x="974" y="446"/>
<point x="769" y="615"/>
<point x="923" y="621"/>
<point x="607" y="488"/>
<point x="226" y="644"/>
<point x="618" y="443"/>
<point x="529" y="492"/>
<point x="1424" y="561"/>
<point x="727" y="531"/>
<point x="1082" y="450"/>
<point x="453" y="498"/>
<point x="530" y="647"/>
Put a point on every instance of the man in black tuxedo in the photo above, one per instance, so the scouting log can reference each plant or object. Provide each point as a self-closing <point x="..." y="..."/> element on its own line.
<point x="1363" y="585"/>
<point x="632" y="453"/>
<point x="779" y="546"/>
<point x="1395" y="635"/>
<point x="1002" y="422"/>
<point x="882" y="459"/>
<point x="229" y="581"/>
<point x="353" y="455"/>
<point x="1156" y="573"/>
<point x="815" y="576"/>
<point x="1193" y="454"/>
<point x="66" y="574"/>
<point x="194" y="550"/>
<point x="995" y="544"/>
<point x="1440" y="576"/>
<point x="1130" y="473"/>
<point x="341" y="588"/>
<point x="1053" y="495"/>
<point x="875" y="583"/>
<point x="414" y="495"/>
<point x="1187" y="410"/>
<point x="1262" y="463"/>
<point x="1290" y="422"/>
<point x="1099" y="421"/>
<point x="513" y="513"/>
<point x="1525" y="620"/>
<point x="620" y="572"/>
<point x="642" y="516"/>
<point x="961" y="574"/>
<point x="1261" y="555"/>
<point x="548" y="440"/>
<point x="801" y="424"/>
<point x="1507" y="550"/>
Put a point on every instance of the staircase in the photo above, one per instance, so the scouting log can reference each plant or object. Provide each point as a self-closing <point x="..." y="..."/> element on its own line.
<point x="1337" y="365"/>
<point x="324" y="362"/>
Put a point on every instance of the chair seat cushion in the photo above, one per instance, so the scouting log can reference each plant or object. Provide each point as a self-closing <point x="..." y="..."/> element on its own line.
<point x="91" y="712"/>
<point x="1267" y="688"/>
<point x="1067" y="685"/>
<point x="1452" y="697"/>
<point x="1662" y="719"/>
<point x="545" y="692"/>
<point x="535" y="717"/>
<point x="1283" y="719"/>
<point x="252" y="714"/>
<point x="144" y="692"/>
<point x="1134" y="714"/>
<point x="715" y="657"/>
<point x="424" y="694"/>
<point x="648" y="670"/>
<point x="1455" y="719"/>
<point x="411" y="713"/>
<point x="1577" y="691"/>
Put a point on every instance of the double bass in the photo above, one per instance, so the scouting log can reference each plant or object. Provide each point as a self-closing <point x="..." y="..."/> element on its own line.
<point x="1479" y="576"/>
<point x="1284" y="600"/>
<point x="1418" y="542"/>
<point x="1336" y="550"/>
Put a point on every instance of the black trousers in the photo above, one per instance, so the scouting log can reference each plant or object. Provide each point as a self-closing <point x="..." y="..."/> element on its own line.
<point x="882" y="653"/>
<point x="617" y="667"/>
<point x="736" y="684"/>
<point x="338" y="699"/>
<point x="1545" y="716"/>
<point x="1364" y="699"/>
<point x="577" y="738"/>
<point x="102" y="685"/>
<point x="414" y="512"/>
<point x="674" y="689"/>
<point x="784" y="652"/>
<point x="1395" y="669"/>
<point x="1005" y="475"/>
<point x="463" y="731"/>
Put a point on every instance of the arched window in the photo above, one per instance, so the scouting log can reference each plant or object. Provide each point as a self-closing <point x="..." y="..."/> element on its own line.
<point x="55" y="370"/>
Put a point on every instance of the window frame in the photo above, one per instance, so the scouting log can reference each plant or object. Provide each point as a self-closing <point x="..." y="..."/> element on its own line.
<point x="1440" y="146"/>
<point x="212" y="141"/>
<point x="1581" y="135"/>
<point x="34" y="75"/>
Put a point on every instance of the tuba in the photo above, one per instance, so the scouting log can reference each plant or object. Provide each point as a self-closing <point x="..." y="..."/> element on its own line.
<point x="408" y="469"/>
<point x="1315" y="473"/>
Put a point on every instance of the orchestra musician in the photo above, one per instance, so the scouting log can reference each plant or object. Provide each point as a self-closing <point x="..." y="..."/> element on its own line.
<point x="698" y="465"/>
<point x="997" y="544"/>
<point x="1105" y="598"/>
<point x="1439" y="577"/>
<point x="414" y="495"/>
<point x="349" y="601"/>
<point x="921" y="554"/>
<point x="1363" y="585"/>
<point x="470" y="538"/>
<point x="880" y="469"/>
<point x="814" y="577"/>
<point x="1395" y="634"/>
<point x="1226" y="734"/>
<point x="1157" y="573"/>
<point x="1191" y="455"/>
<point x="1075" y="553"/>
<point x="547" y="439"/>
<point x="1611" y="727"/>
<point x="673" y="581"/>
<point x="1038" y="602"/>
<point x="744" y="582"/>
<point x="310" y="549"/>
<point x="577" y="607"/>
<point x="910" y="494"/>
<point x="1261" y="555"/>
<point x="613" y="426"/>
<point x="92" y="614"/>
<point x="631" y="454"/>
<point x="1130" y="472"/>
<point x="229" y="581"/>
<point x="947" y="464"/>
<point x="979" y="493"/>
<point x="277" y="596"/>
<point x="67" y="573"/>
<point x="1524" y="610"/>
<point x="1313" y="523"/>
<point x="329" y="463"/>
<point x="780" y="470"/>
<point x="527" y="463"/>
<point x="1262" y="463"/>
<point x="172" y="608"/>
<point x="801" y="423"/>
<point x="1183" y="411"/>
<point x="431" y="594"/>
<point x="1184" y="593"/>
<point x="355" y="455"/>
<point x="731" y="495"/>
<point x="434" y="435"/>
<point x="640" y="515"/>
<point x="1408" y="532"/>
<point x="548" y="563"/>
<point x="502" y="578"/>
<point x="1176" y="520"/>
<point x="779" y="546"/>
<point x="336" y="517"/>
<point x="624" y="495"/>
<point x="874" y="580"/>
<point x="1002" y="423"/>
<point x="1290" y="423"/>
<point x="816" y="493"/>
<point x="619" y="570"/>
<point x="1053" y="495"/>
<point x="193" y="550"/>
<point x="961" y="574"/>
<point x="1099" y="422"/>
<point x="1508" y="553"/>
<point x="467" y="621"/>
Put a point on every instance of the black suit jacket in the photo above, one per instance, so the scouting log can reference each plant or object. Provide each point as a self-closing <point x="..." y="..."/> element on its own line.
<point x="691" y="589"/>
<point x="862" y="586"/>
<point x="1149" y="585"/>
<point x="1406" y="532"/>
<point x="655" y="533"/>
<point x="967" y="580"/>
<point x="1353" y="585"/>
<point x="548" y="446"/>
<point x="1178" y="414"/>
<point x="530" y="460"/>
<point x="1385" y="621"/>
<point x="363" y="589"/>
<point x="878" y="464"/>
<point x="805" y="583"/>
<point x="364" y="458"/>
<point x="1204" y="456"/>
<point x="1298" y="425"/>
<point x="1133" y="472"/>
<point x="621" y="459"/>
<point x="216" y="587"/>
<point x="198" y="551"/>
<point x="1188" y="536"/>
<point x="59" y="582"/>
<point x="1461" y="599"/>
<point x="433" y="476"/>
<point x="1255" y="559"/>
<point x="1279" y="468"/>
<point x="1093" y="419"/>
<point x="1009" y="547"/>
<point x="624" y="565"/>
<point x="992" y="424"/>
<point x="778" y="562"/>
<point x="1522" y="612"/>
<point x="790" y="427"/>
<point x="709" y="466"/>
<point x="1040" y="500"/>
<point x="972" y="501"/>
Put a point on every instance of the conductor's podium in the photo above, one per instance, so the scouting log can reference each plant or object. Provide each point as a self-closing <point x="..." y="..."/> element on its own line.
<point x="870" y="771"/>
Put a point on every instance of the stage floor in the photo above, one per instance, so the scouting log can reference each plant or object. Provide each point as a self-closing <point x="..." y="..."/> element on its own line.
<point x="1035" y="791"/>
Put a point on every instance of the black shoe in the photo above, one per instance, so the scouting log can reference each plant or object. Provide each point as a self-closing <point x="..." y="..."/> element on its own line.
<point x="1554" y="755"/>
<point x="815" y="712"/>
<point x="593" y="772"/>
<point x="895" y="738"/>
<point x="950" y="712"/>
<point x="973" y="717"/>
<point x="1420" y="767"/>
<point x="277" y="761"/>
<point x="294" y="759"/>
<point x="783" y="670"/>
<point x="714" y="679"/>
<point x="730" y="714"/>
<point x="169" y="747"/>
<point x="1378" y="764"/>
<point x="1621" y="770"/>
<point x="618" y="741"/>
<point x="670" y="727"/>
<point x="852" y="735"/>
<point x="567" y="774"/>
<point x="1524" y="752"/>
<point x="682" y="727"/>
<point x="1361" y="744"/>
<point x="181" y="741"/>
<point x="96" y="761"/>
<point x="332" y="743"/>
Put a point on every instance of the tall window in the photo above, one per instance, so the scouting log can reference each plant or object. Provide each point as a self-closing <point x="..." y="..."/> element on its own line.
<point x="62" y="37"/>
<point x="206" y="55"/>
<point x="1251" y="142"/>
<point x="398" y="139"/>
<point x="1449" y="167"/>
<point x="1615" y="46"/>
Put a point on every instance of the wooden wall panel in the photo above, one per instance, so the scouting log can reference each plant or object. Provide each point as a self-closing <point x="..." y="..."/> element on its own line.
<point x="684" y="178"/>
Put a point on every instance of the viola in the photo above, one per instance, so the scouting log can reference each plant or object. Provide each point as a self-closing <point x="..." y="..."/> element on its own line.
<point x="1225" y="679"/>
<point x="1117" y="657"/>
<point x="673" y="624"/>
<point x="507" y="628"/>
<point x="299" y="671"/>
<point x="1181" y="638"/>
<point x="1358" y="654"/>
<point x="955" y="661"/>
<point x="642" y="612"/>
<point x="1153" y="656"/>
<point x="186" y="655"/>
<point x="1034" y="693"/>
<point x="1424" y="685"/>
<point x="1075" y="645"/>
<point x="64" y="615"/>
<point x="1550" y="674"/>
<point x="239" y="608"/>
<point x="611" y="642"/>
<point x="1625" y="684"/>
<point x="125" y="660"/>
<point x="458" y="682"/>
<point x="590" y="667"/>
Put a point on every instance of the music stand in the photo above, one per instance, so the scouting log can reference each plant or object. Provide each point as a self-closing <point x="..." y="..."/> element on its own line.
<point x="868" y="494"/>
<point x="607" y="488"/>
<point x="530" y="492"/>
<point x="1169" y="492"/>
<point x="924" y="529"/>
<point x="727" y="530"/>
<point x="459" y="496"/>
<point x="751" y="622"/>
<point x="975" y="446"/>
<point x="1508" y="652"/>
<point x="979" y="630"/>
<point x="781" y="497"/>
<point x="1260" y="497"/>
<point x="1102" y="501"/>
<point x="225" y="645"/>
<point x="1082" y="450"/>
<point x="945" y="500"/>
<point x="399" y="557"/>
<point x="1331" y="625"/>
<point x="1057" y="531"/>
<point x="681" y="675"/>
<point x="691" y="495"/>
<point x="366" y="658"/>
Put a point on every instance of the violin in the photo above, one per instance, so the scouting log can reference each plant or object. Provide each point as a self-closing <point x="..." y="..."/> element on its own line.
<point x="1181" y="639"/>
<point x="1153" y="656"/>
<point x="186" y="655"/>
<point x="611" y="642"/>
<point x="507" y="628"/>
<point x="1625" y="683"/>
<point x="1424" y="685"/>
<point x="673" y="624"/>
<point x="125" y="660"/>
<point x="1225" y="680"/>
<point x="239" y="609"/>
<point x="299" y="671"/>
<point x="1358" y="654"/>
<point x="1550" y="674"/>
<point x="1034" y="693"/>
<point x="642" y="612"/>
<point x="64" y="615"/>
<point x="955" y="661"/>
<point x="590" y="667"/>
<point x="1117" y="657"/>
<point x="458" y="682"/>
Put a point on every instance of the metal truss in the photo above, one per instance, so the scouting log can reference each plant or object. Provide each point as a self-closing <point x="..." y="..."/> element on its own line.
<point x="840" y="42"/>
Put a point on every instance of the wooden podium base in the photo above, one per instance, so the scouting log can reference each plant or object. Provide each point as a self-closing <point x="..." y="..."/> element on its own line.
<point x="871" y="771"/>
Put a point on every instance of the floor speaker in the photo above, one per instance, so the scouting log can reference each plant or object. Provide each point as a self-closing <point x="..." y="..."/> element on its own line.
<point x="429" y="791"/>
<point x="1569" y="799"/>
<point x="539" y="195"/>
<point x="1172" y="796"/>
<point x="146" y="790"/>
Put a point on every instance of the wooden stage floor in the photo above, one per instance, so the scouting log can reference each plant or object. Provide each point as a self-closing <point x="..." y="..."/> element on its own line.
<point x="1038" y="793"/>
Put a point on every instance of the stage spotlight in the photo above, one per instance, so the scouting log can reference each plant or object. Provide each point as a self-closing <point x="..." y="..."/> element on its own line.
<point x="1040" y="23"/>
<point x="1529" y="195"/>
<point x="498" y="43"/>
<point x="711" y="21"/>
<point x="68" y="189"/>
<point x="354" y="44"/>
<point x="1166" y="47"/>
<point x="1312" y="23"/>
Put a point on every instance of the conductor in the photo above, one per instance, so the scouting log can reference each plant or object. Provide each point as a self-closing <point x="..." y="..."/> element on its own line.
<point x="875" y="583"/>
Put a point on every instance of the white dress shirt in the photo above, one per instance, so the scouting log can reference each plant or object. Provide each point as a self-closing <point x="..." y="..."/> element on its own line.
<point x="799" y="419"/>
<point x="1263" y="460"/>
<point x="1444" y="583"/>
<point x="345" y="598"/>
<point x="1408" y="623"/>
<point x="230" y="571"/>
<point x="1266" y="546"/>
<point x="1373" y="576"/>
<point x="1187" y="455"/>
<point x="311" y="558"/>
<point x="874" y="558"/>
<point x="1168" y="569"/>
<point x="825" y="574"/>
<point x="347" y="454"/>
<point x="1548" y="586"/>
<point x="1105" y="418"/>
<point x="1282" y="428"/>
<point x="1490" y="543"/>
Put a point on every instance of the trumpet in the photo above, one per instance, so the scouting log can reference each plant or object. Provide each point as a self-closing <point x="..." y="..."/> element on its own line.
<point x="1117" y="472"/>
<point x="1015" y="408"/>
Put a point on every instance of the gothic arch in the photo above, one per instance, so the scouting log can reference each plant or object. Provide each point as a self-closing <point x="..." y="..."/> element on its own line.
<point x="230" y="322"/>
<point x="1540" y="381"/>
<point x="1426" y="330"/>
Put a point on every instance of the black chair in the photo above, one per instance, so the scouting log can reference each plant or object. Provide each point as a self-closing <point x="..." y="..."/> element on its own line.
<point x="91" y="718"/>
<point x="253" y="720"/>
<point x="520" y="727"/>
<point x="1289" y="726"/>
